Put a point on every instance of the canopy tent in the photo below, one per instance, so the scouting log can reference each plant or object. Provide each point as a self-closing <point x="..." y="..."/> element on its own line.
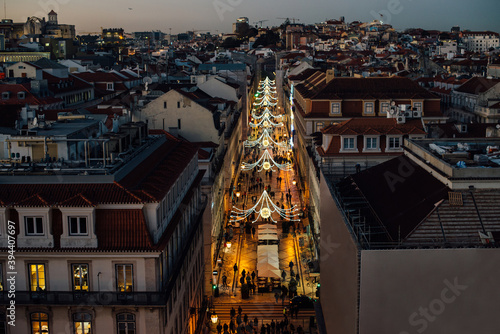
<point x="267" y="226"/>
<point x="273" y="273"/>
<point x="268" y="231"/>
<point x="268" y="236"/>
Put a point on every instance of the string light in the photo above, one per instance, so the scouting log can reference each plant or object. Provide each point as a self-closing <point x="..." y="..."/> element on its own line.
<point x="265" y="140"/>
<point x="266" y="122"/>
<point x="265" y="208"/>
<point x="266" y="162"/>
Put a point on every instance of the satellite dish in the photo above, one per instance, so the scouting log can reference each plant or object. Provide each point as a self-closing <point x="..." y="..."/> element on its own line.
<point x="147" y="80"/>
<point x="35" y="121"/>
<point x="393" y="103"/>
<point x="392" y="111"/>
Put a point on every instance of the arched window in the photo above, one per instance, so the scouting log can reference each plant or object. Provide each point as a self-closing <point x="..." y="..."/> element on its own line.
<point x="82" y="323"/>
<point x="125" y="322"/>
<point x="39" y="323"/>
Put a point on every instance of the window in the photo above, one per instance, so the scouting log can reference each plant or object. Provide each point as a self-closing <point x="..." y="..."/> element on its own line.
<point x="1" y="281"/>
<point x="37" y="277"/>
<point x="39" y="323"/>
<point x="394" y="143"/>
<point x="125" y="323"/>
<point x="82" y="323"/>
<point x="34" y="225"/>
<point x="178" y="104"/>
<point x="124" y="278"/>
<point x="335" y="108"/>
<point x="417" y="106"/>
<point x="371" y="143"/>
<point x="319" y="126"/>
<point x="179" y="123"/>
<point x="77" y="225"/>
<point x="368" y="107"/>
<point x="384" y="107"/>
<point x="165" y="105"/>
<point x="80" y="277"/>
<point x="109" y="86"/>
<point x="348" y="144"/>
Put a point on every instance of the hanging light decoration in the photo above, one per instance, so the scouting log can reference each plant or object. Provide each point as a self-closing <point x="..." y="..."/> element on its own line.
<point x="266" y="162"/>
<point x="264" y="208"/>
<point x="265" y="140"/>
<point x="266" y="122"/>
<point x="266" y="112"/>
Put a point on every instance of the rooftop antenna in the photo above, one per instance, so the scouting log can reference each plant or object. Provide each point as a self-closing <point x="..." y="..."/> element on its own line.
<point x="5" y="8"/>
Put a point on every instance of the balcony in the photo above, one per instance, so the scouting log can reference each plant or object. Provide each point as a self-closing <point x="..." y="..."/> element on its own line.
<point x="88" y="298"/>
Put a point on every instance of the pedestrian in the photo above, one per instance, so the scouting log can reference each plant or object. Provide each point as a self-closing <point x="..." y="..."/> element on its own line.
<point x="248" y="279"/>
<point x="232" y="312"/>
<point x="297" y="278"/>
<point x="240" y="310"/>
<point x="235" y="268"/>
<point x="253" y="276"/>
<point x="256" y="322"/>
<point x="242" y="280"/>
<point x="273" y="325"/>
<point x="231" y="326"/>
<point x="276" y="296"/>
<point x="253" y="231"/>
<point x="284" y="311"/>
<point x="219" y="328"/>
<point x="263" y="329"/>
<point x="291" y="265"/>
<point x="245" y="318"/>
<point x="226" y="327"/>
<point x="292" y="328"/>
<point x="238" y="320"/>
<point x="268" y="329"/>
<point x="243" y="272"/>
<point x="283" y="274"/>
<point x="224" y="280"/>
<point x="283" y="294"/>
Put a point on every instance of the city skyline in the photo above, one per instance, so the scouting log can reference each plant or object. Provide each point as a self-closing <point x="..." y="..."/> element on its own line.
<point x="218" y="15"/>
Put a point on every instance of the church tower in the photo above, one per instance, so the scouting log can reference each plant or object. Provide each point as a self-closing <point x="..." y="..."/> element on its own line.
<point x="52" y="17"/>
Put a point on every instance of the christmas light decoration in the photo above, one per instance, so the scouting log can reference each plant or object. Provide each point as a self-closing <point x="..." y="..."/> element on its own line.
<point x="265" y="208"/>
<point x="266" y="122"/>
<point x="266" y="162"/>
<point x="265" y="140"/>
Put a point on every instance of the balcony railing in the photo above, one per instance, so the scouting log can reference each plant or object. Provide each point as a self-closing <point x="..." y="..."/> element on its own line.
<point x="140" y="298"/>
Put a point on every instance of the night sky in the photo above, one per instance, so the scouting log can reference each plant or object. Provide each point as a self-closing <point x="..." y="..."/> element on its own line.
<point x="218" y="15"/>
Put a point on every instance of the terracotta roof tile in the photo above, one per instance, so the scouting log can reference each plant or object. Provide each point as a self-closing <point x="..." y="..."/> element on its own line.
<point x="78" y="201"/>
<point x="122" y="229"/>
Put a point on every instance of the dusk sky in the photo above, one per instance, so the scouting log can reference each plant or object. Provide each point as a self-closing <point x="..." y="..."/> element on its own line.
<point x="218" y="15"/>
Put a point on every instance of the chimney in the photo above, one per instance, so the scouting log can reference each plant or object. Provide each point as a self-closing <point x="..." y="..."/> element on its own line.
<point x="116" y="123"/>
<point x="330" y="74"/>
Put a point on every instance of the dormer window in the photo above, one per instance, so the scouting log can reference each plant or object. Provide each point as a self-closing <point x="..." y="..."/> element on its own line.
<point x="384" y="107"/>
<point x="33" y="226"/>
<point x="110" y="86"/>
<point x="335" y="108"/>
<point x="368" y="108"/>
<point x="5" y="95"/>
<point x="77" y="226"/>
<point x="21" y="95"/>
<point x="372" y="143"/>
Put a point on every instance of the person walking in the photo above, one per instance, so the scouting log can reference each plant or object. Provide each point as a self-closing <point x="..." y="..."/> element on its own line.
<point x="243" y="272"/>
<point x="253" y="276"/>
<point x="283" y="275"/>
<point x="235" y="268"/>
<point x="276" y="296"/>
<point x="240" y="310"/>
<point x="231" y="326"/>
<point x="245" y="318"/>
<point x="232" y="313"/>
<point x="291" y="265"/>
<point x="219" y="328"/>
<point x="226" y="327"/>
<point x="253" y="232"/>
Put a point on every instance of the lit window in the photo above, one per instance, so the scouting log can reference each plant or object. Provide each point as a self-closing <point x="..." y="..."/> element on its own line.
<point x="371" y="143"/>
<point x="1" y="281"/>
<point x="368" y="107"/>
<point x="319" y="126"/>
<point x="384" y="107"/>
<point x="82" y="323"/>
<point x="34" y="225"/>
<point x="125" y="323"/>
<point x="417" y="106"/>
<point x="394" y="143"/>
<point x="39" y="323"/>
<point x="80" y="277"/>
<point x="37" y="277"/>
<point x="77" y="225"/>
<point x="348" y="143"/>
<point x="124" y="281"/>
<point x="335" y="108"/>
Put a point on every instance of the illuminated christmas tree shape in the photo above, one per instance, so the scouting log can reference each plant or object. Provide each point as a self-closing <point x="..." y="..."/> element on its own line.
<point x="265" y="101"/>
<point x="266" y="162"/>
<point x="265" y="140"/>
<point x="266" y="122"/>
<point x="266" y="112"/>
<point x="265" y="208"/>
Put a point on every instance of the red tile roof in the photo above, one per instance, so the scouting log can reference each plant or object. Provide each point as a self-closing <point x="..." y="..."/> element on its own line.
<point x="78" y="201"/>
<point x="361" y="126"/>
<point x="122" y="229"/>
<point x="477" y="85"/>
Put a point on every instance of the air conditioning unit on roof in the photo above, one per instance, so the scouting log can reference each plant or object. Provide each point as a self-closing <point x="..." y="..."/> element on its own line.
<point x="401" y="119"/>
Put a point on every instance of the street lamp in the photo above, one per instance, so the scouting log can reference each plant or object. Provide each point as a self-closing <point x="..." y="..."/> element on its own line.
<point x="228" y="244"/>
<point x="238" y="194"/>
<point x="294" y="182"/>
<point x="214" y="317"/>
